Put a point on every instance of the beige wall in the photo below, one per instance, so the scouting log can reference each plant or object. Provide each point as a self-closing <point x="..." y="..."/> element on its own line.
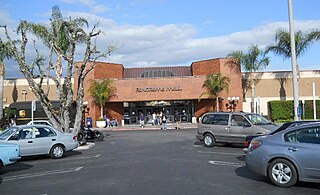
<point x="18" y="90"/>
<point x="278" y="86"/>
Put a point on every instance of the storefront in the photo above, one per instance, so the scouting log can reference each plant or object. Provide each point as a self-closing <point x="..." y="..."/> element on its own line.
<point x="163" y="89"/>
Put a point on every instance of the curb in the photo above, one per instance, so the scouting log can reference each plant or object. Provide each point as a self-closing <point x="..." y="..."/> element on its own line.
<point x="85" y="146"/>
<point x="146" y="128"/>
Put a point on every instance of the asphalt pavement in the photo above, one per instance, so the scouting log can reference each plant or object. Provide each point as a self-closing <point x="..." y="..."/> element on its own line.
<point x="143" y="162"/>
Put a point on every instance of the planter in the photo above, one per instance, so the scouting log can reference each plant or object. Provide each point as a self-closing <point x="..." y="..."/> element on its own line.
<point x="100" y="124"/>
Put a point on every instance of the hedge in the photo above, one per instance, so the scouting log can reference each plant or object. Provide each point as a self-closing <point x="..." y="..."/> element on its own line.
<point x="283" y="110"/>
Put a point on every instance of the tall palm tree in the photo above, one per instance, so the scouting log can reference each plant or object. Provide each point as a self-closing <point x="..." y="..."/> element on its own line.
<point x="101" y="92"/>
<point x="214" y="85"/>
<point x="4" y="53"/>
<point x="251" y="61"/>
<point x="314" y="35"/>
<point x="303" y="41"/>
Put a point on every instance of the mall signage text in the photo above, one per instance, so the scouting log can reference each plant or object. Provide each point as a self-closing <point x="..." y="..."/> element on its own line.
<point x="158" y="89"/>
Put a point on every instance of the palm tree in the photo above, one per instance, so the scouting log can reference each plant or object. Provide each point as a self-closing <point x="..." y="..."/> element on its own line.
<point x="215" y="84"/>
<point x="101" y="92"/>
<point x="4" y="53"/>
<point x="303" y="41"/>
<point x="251" y="62"/>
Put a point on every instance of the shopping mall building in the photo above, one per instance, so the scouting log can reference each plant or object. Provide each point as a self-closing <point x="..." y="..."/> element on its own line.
<point x="151" y="90"/>
<point x="165" y="89"/>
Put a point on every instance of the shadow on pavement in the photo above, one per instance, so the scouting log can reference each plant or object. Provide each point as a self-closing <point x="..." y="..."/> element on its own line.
<point x="246" y="173"/>
<point x="241" y="158"/>
<point x="18" y="166"/>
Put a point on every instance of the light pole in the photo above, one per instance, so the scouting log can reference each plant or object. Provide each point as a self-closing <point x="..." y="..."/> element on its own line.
<point x="293" y="63"/>
<point x="314" y="100"/>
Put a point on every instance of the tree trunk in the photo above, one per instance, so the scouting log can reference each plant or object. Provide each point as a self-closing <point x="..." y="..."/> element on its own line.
<point x="217" y="104"/>
<point x="252" y="92"/>
<point x="252" y="98"/>
<point x="1" y="88"/>
<point x="101" y="111"/>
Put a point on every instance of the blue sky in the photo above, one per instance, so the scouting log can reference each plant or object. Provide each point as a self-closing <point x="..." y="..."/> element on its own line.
<point x="177" y="32"/>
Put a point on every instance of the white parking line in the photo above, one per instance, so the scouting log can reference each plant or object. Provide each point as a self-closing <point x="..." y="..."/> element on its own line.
<point x="227" y="153"/>
<point x="69" y="158"/>
<point x="31" y="175"/>
<point x="225" y="163"/>
<point x="86" y="157"/>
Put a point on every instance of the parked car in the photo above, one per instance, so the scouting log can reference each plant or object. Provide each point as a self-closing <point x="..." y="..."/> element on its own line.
<point x="282" y="127"/>
<point x="9" y="154"/>
<point x="39" y="140"/>
<point x="40" y="122"/>
<point x="287" y="156"/>
<point x="231" y="127"/>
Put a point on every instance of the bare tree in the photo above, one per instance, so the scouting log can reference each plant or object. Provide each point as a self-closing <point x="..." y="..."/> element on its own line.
<point x="62" y="37"/>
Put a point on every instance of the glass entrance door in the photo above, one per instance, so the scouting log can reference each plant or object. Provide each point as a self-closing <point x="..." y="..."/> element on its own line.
<point x="133" y="109"/>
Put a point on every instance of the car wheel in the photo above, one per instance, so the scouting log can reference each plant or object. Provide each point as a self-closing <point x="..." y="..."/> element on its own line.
<point x="209" y="140"/>
<point x="100" y="136"/>
<point x="282" y="173"/>
<point x="57" y="151"/>
<point x="80" y="136"/>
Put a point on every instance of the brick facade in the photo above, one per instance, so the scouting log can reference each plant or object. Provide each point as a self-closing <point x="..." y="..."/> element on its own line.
<point x="163" y="88"/>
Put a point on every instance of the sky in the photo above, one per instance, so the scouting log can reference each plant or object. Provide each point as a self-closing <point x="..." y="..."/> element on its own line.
<point x="151" y="33"/>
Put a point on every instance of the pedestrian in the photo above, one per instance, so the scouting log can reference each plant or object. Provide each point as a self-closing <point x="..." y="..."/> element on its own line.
<point x="164" y="121"/>
<point x="154" y="119"/>
<point x="141" y="119"/>
<point x="177" y="119"/>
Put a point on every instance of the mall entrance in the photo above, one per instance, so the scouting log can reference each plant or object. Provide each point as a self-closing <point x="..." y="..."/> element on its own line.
<point x="132" y="110"/>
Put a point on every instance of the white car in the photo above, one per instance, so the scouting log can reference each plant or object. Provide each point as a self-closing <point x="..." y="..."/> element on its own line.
<point x="39" y="140"/>
<point x="40" y="122"/>
<point x="9" y="153"/>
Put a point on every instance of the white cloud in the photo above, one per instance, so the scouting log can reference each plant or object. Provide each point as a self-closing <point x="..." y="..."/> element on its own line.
<point x="91" y="4"/>
<point x="176" y="44"/>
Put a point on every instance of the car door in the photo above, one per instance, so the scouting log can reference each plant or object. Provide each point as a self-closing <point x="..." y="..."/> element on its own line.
<point x="303" y="146"/>
<point x="45" y="137"/>
<point x="239" y="128"/>
<point x="25" y="139"/>
<point x="220" y="127"/>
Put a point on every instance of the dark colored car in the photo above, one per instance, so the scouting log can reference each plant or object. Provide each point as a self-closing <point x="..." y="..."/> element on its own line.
<point x="282" y="127"/>
<point x="287" y="156"/>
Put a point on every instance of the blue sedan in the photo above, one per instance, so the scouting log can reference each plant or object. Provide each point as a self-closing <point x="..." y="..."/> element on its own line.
<point x="9" y="153"/>
<point x="288" y="156"/>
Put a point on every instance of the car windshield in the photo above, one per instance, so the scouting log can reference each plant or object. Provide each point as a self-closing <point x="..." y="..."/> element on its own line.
<point x="6" y="133"/>
<point x="257" y="119"/>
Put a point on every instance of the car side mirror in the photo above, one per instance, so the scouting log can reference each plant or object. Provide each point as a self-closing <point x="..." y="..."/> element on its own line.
<point x="246" y="124"/>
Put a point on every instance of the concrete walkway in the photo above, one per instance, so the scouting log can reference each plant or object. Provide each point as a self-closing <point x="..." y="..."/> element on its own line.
<point x="170" y="126"/>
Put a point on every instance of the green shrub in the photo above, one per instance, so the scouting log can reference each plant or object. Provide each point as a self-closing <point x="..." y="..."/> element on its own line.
<point x="283" y="111"/>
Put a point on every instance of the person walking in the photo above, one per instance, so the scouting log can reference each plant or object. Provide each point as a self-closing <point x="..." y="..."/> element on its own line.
<point x="141" y="119"/>
<point x="177" y="119"/>
<point x="164" y="122"/>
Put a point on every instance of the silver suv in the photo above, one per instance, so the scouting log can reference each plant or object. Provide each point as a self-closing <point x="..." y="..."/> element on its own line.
<point x="231" y="127"/>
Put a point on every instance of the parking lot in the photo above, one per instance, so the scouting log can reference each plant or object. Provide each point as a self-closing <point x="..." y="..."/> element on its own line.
<point x="143" y="162"/>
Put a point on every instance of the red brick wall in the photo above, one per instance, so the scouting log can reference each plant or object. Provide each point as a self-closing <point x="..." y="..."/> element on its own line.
<point x="104" y="70"/>
<point x="115" y="109"/>
<point x="235" y="85"/>
<point x="205" y="67"/>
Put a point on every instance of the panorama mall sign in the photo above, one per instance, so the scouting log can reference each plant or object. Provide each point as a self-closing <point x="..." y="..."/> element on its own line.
<point x="158" y="89"/>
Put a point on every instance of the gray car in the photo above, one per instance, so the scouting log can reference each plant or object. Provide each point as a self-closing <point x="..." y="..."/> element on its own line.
<point x="39" y="139"/>
<point x="288" y="156"/>
<point x="231" y="127"/>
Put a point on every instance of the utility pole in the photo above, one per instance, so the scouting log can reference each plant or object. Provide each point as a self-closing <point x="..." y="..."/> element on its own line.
<point x="293" y="63"/>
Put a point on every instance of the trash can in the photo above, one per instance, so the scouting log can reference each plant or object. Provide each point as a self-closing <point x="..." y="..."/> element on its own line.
<point x="89" y="122"/>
